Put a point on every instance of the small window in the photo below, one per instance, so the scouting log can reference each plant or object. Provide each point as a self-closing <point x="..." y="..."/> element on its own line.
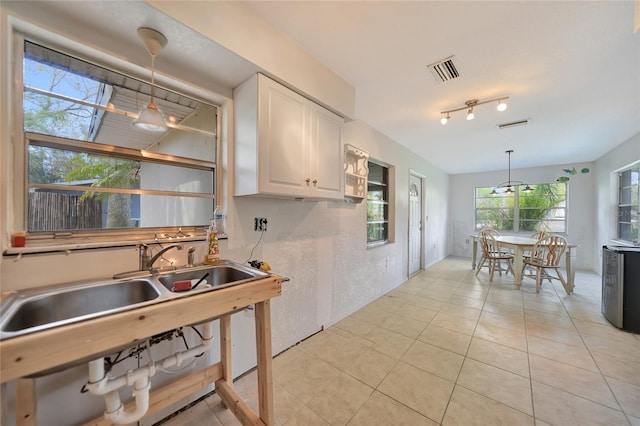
<point x="377" y="204"/>
<point x="90" y="171"/>
<point x="628" y="204"/>
<point x="542" y="208"/>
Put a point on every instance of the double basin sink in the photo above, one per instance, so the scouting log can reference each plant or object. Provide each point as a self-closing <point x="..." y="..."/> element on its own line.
<point x="39" y="309"/>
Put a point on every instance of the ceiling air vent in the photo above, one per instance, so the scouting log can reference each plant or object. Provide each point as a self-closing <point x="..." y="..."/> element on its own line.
<point x="444" y="70"/>
<point x="512" y="124"/>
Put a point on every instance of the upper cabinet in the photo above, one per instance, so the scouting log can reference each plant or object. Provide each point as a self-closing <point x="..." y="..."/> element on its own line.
<point x="285" y="145"/>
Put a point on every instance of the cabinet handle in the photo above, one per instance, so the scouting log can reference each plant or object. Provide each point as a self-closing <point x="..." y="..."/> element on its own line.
<point x="307" y="180"/>
<point x="315" y="181"/>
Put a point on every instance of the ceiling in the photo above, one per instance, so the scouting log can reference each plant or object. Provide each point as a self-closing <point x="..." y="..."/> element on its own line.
<point x="571" y="68"/>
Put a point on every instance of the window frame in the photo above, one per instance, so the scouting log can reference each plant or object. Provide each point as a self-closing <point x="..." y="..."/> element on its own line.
<point x="619" y="187"/>
<point x="517" y="208"/>
<point x="42" y="241"/>
<point x="388" y="201"/>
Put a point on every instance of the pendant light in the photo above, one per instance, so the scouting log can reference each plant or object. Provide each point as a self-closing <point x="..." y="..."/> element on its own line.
<point x="150" y="118"/>
<point x="508" y="186"/>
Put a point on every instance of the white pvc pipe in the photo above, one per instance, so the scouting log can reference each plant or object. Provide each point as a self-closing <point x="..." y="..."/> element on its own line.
<point x="119" y="415"/>
<point x="100" y="383"/>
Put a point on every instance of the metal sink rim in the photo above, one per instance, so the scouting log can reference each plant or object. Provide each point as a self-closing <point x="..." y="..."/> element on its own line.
<point x="10" y="304"/>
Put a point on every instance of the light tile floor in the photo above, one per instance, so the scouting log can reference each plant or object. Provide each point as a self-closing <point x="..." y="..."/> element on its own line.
<point x="450" y="348"/>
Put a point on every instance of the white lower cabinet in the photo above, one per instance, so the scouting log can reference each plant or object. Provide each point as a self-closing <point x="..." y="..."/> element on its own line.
<point x="285" y="145"/>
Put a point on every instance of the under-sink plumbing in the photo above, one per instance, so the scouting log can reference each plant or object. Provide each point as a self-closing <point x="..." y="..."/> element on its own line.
<point x="102" y="383"/>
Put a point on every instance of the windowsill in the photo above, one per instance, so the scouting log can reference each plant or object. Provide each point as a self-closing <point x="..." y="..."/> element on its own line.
<point x="377" y="244"/>
<point x="69" y="247"/>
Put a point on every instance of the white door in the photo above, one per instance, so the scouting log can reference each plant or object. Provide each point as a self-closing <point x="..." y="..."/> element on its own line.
<point x="415" y="224"/>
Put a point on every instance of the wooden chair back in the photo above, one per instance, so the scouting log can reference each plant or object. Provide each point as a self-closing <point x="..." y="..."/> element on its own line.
<point x="539" y="235"/>
<point x="548" y="251"/>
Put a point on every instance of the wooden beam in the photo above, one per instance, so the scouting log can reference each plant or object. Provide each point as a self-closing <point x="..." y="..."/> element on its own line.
<point x="26" y="402"/>
<point x="238" y="407"/>
<point x="32" y="353"/>
<point x="225" y="349"/>
<point x="264" y="361"/>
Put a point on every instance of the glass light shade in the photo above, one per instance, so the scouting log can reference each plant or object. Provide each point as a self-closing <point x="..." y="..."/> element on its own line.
<point x="444" y="120"/>
<point x="501" y="106"/>
<point x="470" y="114"/>
<point x="508" y="190"/>
<point x="150" y="119"/>
<point x="527" y="188"/>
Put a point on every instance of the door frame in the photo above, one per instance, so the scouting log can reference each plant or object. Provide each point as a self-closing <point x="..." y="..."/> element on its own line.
<point x="421" y="178"/>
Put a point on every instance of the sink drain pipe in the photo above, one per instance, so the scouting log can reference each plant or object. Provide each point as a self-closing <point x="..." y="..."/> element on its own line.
<point x="101" y="384"/>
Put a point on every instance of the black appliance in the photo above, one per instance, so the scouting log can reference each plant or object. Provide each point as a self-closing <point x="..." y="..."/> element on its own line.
<point x="621" y="286"/>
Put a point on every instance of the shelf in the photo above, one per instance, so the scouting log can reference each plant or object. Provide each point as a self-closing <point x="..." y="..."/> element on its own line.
<point x="355" y="172"/>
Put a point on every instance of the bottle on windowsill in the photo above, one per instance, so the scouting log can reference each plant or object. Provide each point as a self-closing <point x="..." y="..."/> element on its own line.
<point x="219" y="221"/>
<point x="213" y="250"/>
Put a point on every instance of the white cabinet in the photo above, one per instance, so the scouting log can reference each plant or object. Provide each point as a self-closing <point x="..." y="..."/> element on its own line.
<point x="285" y="145"/>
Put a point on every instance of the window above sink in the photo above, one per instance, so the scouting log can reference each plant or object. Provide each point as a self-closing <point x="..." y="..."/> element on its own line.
<point x="89" y="177"/>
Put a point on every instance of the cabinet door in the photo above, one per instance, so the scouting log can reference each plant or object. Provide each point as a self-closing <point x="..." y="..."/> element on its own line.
<point x="326" y="167"/>
<point x="282" y="130"/>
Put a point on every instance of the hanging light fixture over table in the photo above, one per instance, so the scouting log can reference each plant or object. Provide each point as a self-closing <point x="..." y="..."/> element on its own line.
<point x="509" y="184"/>
<point x="470" y="105"/>
<point x="150" y="118"/>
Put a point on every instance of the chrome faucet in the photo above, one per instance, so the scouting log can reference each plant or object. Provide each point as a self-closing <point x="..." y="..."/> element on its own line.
<point x="146" y="261"/>
<point x="190" y="256"/>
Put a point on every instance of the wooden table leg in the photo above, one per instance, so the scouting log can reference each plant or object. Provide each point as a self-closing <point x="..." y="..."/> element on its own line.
<point x="475" y="254"/>
<point x="571" y="274"/>
<point x="26" y="402"/>
<point x="264" y="355"/>
<point x="517" y="266"/>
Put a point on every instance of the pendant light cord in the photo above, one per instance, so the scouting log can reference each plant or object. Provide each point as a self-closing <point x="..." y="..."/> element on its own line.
<point x="153" y="67"/>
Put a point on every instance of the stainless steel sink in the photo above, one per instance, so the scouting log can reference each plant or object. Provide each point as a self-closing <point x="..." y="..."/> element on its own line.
<point x="36" y="310"/>
<point x="218" y="276"/>
<point x="39" y="309"/>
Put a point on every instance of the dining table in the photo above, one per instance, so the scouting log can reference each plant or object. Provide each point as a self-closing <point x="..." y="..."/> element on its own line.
<point x="520" y="245"/>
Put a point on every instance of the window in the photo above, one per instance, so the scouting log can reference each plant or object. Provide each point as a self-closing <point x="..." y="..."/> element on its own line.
<point x="541" y="209"/>
<point x="377" y="204"/>
<point x="628" y="204"/>
<point x="90" y="172"/>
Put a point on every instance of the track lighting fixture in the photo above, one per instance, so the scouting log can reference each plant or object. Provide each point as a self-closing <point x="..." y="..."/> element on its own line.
<point x="150" y="118"/>
<point x="469" y="106"/>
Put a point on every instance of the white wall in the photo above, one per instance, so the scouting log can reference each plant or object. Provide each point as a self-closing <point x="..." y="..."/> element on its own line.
<point x="580" y="212"/>
<point x="606" y="196"/>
